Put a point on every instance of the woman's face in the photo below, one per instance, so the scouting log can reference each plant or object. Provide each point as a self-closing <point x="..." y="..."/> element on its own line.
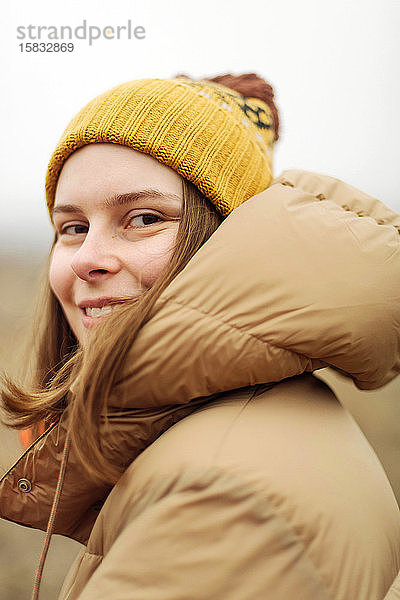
<point x="117" y="214"/>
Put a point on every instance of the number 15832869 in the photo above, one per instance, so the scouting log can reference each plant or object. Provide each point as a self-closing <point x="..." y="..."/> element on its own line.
<point x="46" y="47"/>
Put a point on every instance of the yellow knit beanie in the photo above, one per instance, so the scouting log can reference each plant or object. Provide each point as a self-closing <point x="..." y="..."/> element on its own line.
<point x="212" y="135"/>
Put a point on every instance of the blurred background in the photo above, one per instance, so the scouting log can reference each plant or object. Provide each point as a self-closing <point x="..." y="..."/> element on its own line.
<point x="333" y="67"/>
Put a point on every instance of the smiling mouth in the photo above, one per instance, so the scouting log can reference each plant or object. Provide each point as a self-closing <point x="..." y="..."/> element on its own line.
<point x="97" y="312"/>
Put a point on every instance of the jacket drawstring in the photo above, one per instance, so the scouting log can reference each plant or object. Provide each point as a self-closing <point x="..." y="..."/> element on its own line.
<point x="52" y="518"/>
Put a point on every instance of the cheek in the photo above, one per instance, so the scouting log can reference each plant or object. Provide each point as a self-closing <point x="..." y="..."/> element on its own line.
<point x="153" y="257"/>
<point x="59" y="276"/>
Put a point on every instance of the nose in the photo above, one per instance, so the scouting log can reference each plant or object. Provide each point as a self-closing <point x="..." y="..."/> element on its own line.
<point x="96" y="258"/>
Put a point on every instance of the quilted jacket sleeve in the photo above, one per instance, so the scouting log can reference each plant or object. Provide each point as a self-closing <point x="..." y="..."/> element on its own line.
<point x="201" y="544"/>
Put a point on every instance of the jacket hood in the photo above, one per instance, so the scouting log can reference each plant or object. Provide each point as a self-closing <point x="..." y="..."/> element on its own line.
<point x="301" y="276"/>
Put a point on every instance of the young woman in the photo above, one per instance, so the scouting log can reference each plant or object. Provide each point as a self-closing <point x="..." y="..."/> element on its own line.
<point x="189" y="298"/>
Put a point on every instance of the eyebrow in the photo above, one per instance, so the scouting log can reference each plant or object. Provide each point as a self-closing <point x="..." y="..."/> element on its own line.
<point x="119" y="200"/>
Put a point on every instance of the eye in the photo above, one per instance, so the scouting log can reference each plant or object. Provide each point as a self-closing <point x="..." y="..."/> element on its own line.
<point x="145" y="219"/>
<point x="76" y="229"/>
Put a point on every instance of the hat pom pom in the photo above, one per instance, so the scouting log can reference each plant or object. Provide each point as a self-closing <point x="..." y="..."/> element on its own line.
<point x="251" y="86"/>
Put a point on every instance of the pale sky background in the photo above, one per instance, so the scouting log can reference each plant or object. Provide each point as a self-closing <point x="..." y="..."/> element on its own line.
<point x="334" y="67"/>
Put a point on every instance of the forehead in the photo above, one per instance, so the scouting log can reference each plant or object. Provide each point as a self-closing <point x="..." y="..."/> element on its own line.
<point x="99" y="171"/>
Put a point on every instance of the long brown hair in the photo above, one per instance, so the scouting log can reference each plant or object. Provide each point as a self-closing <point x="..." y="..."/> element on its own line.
<point x="57" y="361"/>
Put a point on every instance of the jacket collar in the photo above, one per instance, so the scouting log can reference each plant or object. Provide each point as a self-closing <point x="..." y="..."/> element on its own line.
<point x="290" y="282"/>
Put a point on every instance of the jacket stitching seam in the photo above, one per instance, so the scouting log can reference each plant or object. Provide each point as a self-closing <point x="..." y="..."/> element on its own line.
<point x="227" y="324"/>
<point x="321" y="196"/>
<point x="232" y="423"/>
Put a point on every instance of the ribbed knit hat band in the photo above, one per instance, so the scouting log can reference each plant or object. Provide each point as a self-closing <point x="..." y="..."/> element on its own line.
<point x="213" y="136"/>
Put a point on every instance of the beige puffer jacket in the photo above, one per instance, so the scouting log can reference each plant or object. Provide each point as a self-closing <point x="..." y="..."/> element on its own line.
<point x="261" y="485"/>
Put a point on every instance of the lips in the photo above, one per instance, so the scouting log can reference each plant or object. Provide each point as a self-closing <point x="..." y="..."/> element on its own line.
<point x="100" y="302"/>
<point x="94" y="310"/>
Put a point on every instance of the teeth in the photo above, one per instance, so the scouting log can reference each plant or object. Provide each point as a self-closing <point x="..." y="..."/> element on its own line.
<point x="98" y="312"/>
